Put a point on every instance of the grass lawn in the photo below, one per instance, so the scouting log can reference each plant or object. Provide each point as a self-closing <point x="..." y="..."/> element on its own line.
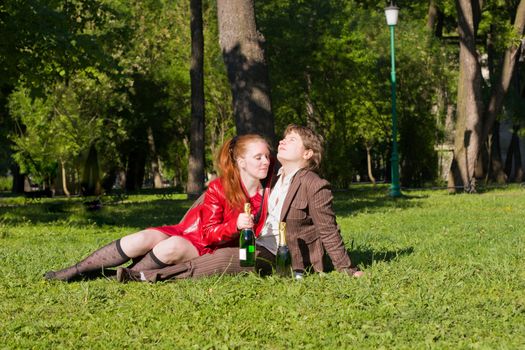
<point x="442" y="271"/>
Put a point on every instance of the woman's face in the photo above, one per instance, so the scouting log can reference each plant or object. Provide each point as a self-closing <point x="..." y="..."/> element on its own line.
<point x="256" y="160"/>
<point x="291" y="149"/>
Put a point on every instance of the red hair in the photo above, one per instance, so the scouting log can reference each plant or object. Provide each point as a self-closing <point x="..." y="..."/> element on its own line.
<point x="228" y="170"/>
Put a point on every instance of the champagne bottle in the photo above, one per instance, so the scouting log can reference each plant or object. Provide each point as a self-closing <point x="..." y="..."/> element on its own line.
<point x="283" y="259"/>
<point x="247" y="243"/>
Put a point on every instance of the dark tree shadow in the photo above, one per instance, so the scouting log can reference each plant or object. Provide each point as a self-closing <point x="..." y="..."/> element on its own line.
<point x="138" y="214"/>
<point x="361" y="199"/>
<point x="367" y="257"/>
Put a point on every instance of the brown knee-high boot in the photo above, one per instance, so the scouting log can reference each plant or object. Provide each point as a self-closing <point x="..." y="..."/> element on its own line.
<point x="110" y="255"/>
<point x="149" y="262"/>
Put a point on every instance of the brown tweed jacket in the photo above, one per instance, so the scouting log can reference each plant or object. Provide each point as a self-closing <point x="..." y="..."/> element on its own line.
<point x="311" y="227"/>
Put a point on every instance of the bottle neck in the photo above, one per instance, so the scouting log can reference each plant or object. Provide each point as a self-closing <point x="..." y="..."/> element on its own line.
<point x="282" y="238"/>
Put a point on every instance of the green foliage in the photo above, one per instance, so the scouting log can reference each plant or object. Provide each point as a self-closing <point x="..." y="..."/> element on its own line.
<point x="442" y="271"/>
<point x="6" y="183"/>
<point x="337" y="56"/>
<point x="104" y="72"/>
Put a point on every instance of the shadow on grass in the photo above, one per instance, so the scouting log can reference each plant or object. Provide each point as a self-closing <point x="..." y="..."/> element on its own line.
<point x="367" y="258"/>
<point x="68" y="212"/>
<point x="371" y="199"/>
<point x="168" y="211"/>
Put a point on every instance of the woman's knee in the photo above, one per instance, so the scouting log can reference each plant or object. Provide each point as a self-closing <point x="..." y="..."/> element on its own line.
<point x="174" y="250"/>
<point x="141" y="242"/>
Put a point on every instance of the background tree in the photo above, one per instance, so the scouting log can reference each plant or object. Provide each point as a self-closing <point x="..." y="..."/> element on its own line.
<point x="242" y="49"/>
<point x="469" y="100"/>
<point x="197" y="145"/>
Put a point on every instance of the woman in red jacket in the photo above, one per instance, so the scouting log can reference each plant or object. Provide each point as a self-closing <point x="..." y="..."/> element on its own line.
<point x="212" y="222"/>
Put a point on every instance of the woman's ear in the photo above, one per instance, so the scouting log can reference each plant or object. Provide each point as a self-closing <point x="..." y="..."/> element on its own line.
<point x="308" y="154"/>
<point x="241" y="163"/>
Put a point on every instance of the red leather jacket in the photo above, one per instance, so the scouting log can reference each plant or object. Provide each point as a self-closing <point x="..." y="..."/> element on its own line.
<point x="211" y="223"/>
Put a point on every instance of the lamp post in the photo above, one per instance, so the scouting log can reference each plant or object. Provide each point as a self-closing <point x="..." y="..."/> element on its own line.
<point x="392" y="13"/>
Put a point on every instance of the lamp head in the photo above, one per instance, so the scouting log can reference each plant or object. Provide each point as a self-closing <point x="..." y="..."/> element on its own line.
<point x="391" y="13"/>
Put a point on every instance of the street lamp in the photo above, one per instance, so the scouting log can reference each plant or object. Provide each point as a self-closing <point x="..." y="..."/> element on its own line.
<point x="392" y="13"/>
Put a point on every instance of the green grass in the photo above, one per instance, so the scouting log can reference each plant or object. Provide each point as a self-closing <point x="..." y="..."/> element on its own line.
<point x="442" y="271"/>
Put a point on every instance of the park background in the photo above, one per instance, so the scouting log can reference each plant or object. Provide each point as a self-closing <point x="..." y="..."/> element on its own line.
<point x="98" y="95"/>
<point x="119" y="99"/>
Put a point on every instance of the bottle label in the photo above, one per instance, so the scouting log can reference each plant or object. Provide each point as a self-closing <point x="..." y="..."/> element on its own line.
<point x="242" y="254"/>
<point x="251" y="248"/>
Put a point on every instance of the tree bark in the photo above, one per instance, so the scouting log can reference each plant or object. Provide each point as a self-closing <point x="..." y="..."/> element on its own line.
<point x="501" y="87"/>
<point x="496" y="172"/>
<point x="435" y="19"/>
<point x="242" y="50"/>
<point x="513" y="164"/>
<point x="135" y="169"/>
<point x="369" y="165"/>
<point x="469" y="101"/>
<point x="196" y="160"/>
<point x="312" y="118"/>
<point x="518" y="165"/>
<point x="64" y="178"/>
<point x="154" y="160"/>
<point x="18" y="179"/>
<point x="90" y="185"/>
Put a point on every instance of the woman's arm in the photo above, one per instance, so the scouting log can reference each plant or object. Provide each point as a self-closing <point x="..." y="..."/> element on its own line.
<point x="320" y="202"/>
<point x="219" y="222"/>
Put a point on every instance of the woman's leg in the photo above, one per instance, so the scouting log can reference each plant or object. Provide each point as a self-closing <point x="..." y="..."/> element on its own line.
<point x="170" y="251"/>
<point x="114" y="254"/>
<point x="222" y="261"/>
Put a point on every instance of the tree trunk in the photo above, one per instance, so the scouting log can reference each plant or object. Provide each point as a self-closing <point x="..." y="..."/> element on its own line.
<point x="513" y="164"/>
<point x="469" y="101"/>
<point x="369" y="165"/>
<point x="495" y="172"/>
<point x="501" y="87"/>
<point x="518" y="165"/>
<point x="242" y="50"/>
<point x="18" y="179"/>
<point x="195" y="184"/>
<point x="435" y="19"/>
<point x="312" y="119"/>
<point x="154" y="160"/>
<point x="135" y="169"/>
<point x="510" y="155"/>
<point x="91" y="177"/>
<point x="64" y="178"/>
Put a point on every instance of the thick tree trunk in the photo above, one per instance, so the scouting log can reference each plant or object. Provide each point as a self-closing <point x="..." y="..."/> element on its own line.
<point x="469" y="102"/>
<point x="501" y="87"/>
<point x="242" y="49"/>
<point x="195" y="184"/>
<point x="154" y="160"/>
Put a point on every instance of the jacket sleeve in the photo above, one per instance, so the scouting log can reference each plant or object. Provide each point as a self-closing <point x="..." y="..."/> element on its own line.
<point x="218" y="225"/>
<point x="323" y="217"/>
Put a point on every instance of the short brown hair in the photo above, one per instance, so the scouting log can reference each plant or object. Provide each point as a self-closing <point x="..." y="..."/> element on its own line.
<point x="311" y="141"/>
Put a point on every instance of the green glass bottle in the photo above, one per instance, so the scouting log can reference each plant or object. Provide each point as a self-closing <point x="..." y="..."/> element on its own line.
<point x="247" y="243"/>
<point x="283" y="259"/>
